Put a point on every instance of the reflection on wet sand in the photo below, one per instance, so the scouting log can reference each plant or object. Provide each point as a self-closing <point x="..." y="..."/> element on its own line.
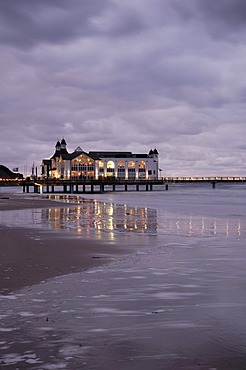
<point x="200" y="226"/>
<point x="90" y="217"/>
<point x="111" y="217"/>
<point x="101" y="216"/>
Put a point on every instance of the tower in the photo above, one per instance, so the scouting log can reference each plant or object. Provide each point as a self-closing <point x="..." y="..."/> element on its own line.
<point x="63" y="144"/>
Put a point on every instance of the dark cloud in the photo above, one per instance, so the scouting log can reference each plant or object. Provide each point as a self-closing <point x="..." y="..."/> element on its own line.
<point x="222" y="19"/>
<point x="28" y="22"/>
<point x="231" y="14"/>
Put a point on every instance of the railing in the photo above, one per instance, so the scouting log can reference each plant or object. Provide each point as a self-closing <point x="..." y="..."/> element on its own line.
<point x="119" y="181"/>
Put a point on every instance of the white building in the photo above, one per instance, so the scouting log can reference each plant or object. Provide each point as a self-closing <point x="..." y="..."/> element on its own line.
<point x="96" y="165"/>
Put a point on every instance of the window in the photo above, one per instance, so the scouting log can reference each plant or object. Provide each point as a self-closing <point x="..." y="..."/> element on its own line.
<point x="110" y="164"/>
<point x="121" y="165"/>
<point x="141" y="165"/>
<point x="131" y="165"/>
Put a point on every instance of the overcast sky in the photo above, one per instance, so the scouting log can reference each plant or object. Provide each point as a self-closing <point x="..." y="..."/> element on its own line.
<point x="125" y="75"/>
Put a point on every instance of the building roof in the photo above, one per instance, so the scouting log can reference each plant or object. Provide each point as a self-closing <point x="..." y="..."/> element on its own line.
<point x="95" y="155"/>
<point x="47" y="162"/>
<point x="99" y="155"/>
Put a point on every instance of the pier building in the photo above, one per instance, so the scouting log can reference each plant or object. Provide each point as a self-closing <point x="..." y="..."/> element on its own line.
<point x="96" y="165"/>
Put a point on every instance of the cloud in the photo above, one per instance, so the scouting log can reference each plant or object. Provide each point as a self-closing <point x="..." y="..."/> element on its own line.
<point x="27" y="23"/>
<point x="130" y="74"/>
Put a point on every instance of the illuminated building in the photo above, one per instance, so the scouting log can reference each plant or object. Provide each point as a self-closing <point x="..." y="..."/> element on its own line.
<point x="97" y="164"/>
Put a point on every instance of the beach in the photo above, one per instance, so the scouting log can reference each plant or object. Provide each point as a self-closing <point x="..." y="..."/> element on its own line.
<point x="29" y="256"/>
<point x="126" y="281"/>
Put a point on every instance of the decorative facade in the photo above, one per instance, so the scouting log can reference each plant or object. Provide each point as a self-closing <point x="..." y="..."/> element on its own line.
<point x="97" y="165"/>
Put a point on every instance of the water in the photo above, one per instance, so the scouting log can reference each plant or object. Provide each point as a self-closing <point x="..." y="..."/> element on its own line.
<point x="10" y="189"/>
<point x="180" y="305"/>
<point x="197" y="211"/>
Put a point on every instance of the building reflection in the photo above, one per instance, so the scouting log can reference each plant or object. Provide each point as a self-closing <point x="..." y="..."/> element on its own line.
<point x="91" y="215"/>
<point x="196" y="226"/>
<point x="102" y="217"/>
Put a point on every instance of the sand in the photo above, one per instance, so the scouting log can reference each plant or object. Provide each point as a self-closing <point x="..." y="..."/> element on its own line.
<point x="29" y="256"/>
<point x="180" y="305"/>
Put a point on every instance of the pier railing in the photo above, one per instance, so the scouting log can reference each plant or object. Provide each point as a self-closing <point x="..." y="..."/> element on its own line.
<point x="73" y="185"/>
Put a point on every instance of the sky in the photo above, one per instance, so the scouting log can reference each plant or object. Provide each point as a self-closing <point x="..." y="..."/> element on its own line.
<point x="129" y="75"/>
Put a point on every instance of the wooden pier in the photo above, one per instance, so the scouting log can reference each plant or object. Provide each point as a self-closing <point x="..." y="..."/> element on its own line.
<point x="77" y="186"/>
<point x="88" y="186"/>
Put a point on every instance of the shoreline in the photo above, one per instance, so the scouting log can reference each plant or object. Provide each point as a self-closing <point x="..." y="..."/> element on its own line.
<point x="107" y="300"/>
<point x="31" y="255"/>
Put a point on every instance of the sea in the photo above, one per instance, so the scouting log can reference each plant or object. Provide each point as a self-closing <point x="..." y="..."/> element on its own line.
<point x="178" y="301"/>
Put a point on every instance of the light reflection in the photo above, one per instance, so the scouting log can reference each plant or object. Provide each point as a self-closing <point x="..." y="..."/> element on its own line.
<point x="110" y="217"/>
<point x="199" y="226"/>
<point x="92" y="217"/>
<point x="239" y="228"/>
<point x="100" y="217"/>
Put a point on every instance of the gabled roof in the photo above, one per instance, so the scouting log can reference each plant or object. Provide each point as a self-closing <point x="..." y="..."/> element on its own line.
<point x="62" y="152"/>
<point x="70" y="156"/>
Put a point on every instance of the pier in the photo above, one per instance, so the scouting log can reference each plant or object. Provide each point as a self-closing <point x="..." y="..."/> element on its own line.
<point x="99" y="186"/>
<point x="87" y="186"/>
<point x="79" y="186"/>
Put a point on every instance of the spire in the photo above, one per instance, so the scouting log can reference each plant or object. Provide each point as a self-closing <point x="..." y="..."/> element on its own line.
<point x="58" y="145"/>
<point x="63" y="144"/>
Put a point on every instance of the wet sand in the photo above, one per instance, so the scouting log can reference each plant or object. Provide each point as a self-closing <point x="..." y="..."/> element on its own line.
<point x="29" y="256"/>
<point x="181" y="305"/>
<point x="175" y="307"/>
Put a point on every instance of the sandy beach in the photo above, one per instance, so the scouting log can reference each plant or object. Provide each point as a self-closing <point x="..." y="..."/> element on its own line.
<point x="172" y="299"/>
<point x="29" y="255"/>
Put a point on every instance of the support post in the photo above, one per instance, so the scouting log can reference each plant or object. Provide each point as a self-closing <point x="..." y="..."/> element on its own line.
<point x="137" y="187"/>
<point x="92" y="188"/>
<point x="151" y="187"/>
<point x="101" y="188"/>
<point x="213" y="184"/>
<point x="125" y="187"/>
<point x="147" y="187"/>
<point x="113" y="187"/>
<point x="166" y="187"/>
<point x="83" y="188"/>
